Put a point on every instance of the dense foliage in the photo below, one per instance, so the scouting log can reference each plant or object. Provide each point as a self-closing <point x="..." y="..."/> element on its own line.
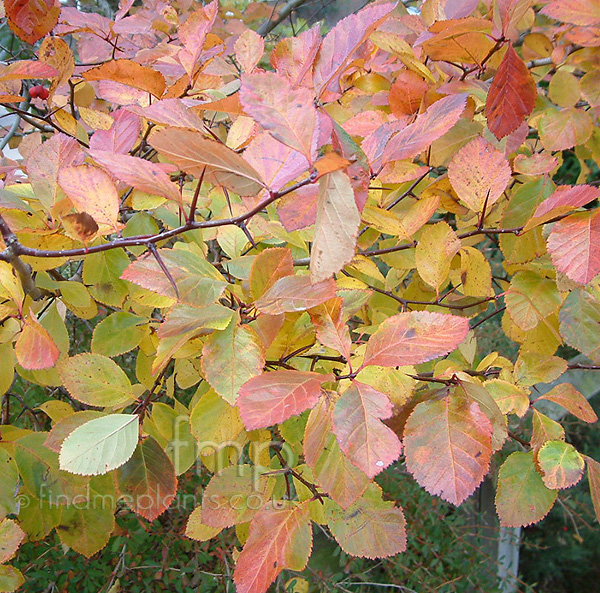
<point x="288" y="253"/>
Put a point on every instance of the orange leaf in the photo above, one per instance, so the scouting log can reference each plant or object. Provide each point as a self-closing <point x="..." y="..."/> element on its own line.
<point x="565" y="395"/>
<point x="26" y="69"/>
<point x="35" y="349"/>
<point x="193" y="153"/>
<point x="31" y="20"/>
<point x="294" y="293"/>
<point x="129" y="73"/>
<point x="91" y="190"/>
<point x="278" y="540"/>
<point x="460" y="434"/>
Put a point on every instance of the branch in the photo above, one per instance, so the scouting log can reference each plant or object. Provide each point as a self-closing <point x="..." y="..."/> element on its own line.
<point x="269" y="25"/>
<point x="24" y="105"/>
<point x="11" y="256"/>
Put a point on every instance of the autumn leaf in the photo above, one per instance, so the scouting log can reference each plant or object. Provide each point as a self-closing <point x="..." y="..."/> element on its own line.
<point x="129" y="73"/>
<point x="428" y="127"/>
<point x="336" y="228"/>
<point x="413" y="338"/>
<point x="31" y="21"/>
<point x="279" y="539"/>
<point x="358" y="426"/>
<point x="288" y="114"/>
<point x="565" y="395"/>
<point x="193" y="153"/>
<point x="272" y="398"/>
<point x="574" y="246"/>
<point x="512" y="95"/>
<point x="294" y="293"/>
<point x="479" y="174"/>
<point x="462" y="437"/>
<point x="35" y="349"/>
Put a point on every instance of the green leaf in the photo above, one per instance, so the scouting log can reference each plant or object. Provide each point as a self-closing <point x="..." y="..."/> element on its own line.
<point x="561" y="464"/>
<point x="96" y="380"/>
<point x="117" y="334"/>
<point x="370" y="528"/>
<point x="10" y="578"/>
<point x="522" y="498"/>
<point x="100" y="445"/>
<point x="579" y="320"/>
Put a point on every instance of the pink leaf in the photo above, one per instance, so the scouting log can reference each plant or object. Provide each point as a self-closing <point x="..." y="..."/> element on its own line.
<point x="342" y="41"/>
<point x="295" y="293"/>
<point x="278" y="540"/>
<point x="577" y="12"/>
<point x="574" y="246"/>
<point x="413" y="338"/>
<point x="288" y="114"/>
<point x="364" y="439"/>
<point x="272" y="398"/>
<point x="427" y="128"/>
<point x="35" y="349"/>
<point x="122" y="135"/>
<point x="139" y="173"/>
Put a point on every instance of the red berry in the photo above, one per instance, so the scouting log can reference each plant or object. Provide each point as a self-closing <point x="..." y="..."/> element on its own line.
<point x="39" y="91"/>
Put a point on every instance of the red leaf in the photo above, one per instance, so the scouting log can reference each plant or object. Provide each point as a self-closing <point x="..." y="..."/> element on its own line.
<point x="427" y="128"/>
<point x="364" y="439"/>
<point x="413" y="338"/>
<point x="574" y="246"/>
<point x="278" y="540"/>
<point x="288" y="114"/>
<point x="342" y="41"/>
<point x="564" y="199"/>
<point x="35" y="349"/>
<point x="122" y="135"/>
<point x="31" y="20"/>
<point x="593" y="470"/>
<point x="512" y="95"/>
<point x="577" y="12"/>
<point x="148" y="480"/>
<point x="448" y="445"/>
<point x="139" y="173"/>
<point x="295" y="293"/>
<point x="272" y="398"/>
<point x="299" y="210"/>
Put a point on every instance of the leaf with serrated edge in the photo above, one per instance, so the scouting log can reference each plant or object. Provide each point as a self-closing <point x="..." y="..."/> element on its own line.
<point x="358" y="426"/>
<point x="565" y="395"/>
<point x="332" y="330"/>
<point x="460" y="434"/>
<point x="269" y="266"/>
<point x="370" y="528"/>
<point x="593" y="471"/>
<point x="294" y="293"/>
<point x="413" y="338"/>
<point x="479" y="174"/>
<point x="574" y="246"/>
<point x="579" y="318"/>
<point x="336" y="228"/>
<point x="95" y="380"/>
<point x="334" y="472"/>
<point x="100" y="445"/>
<point x="278" y="540"/>
<point x="521" y="497"/>
<point x="11" y="536"/>
<point x="512" y="95"/>
<point x="561" y="465"/>
<point x="230" y="358"/>
<point x="272" y="398"/>
<point x="148" y="480"/>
